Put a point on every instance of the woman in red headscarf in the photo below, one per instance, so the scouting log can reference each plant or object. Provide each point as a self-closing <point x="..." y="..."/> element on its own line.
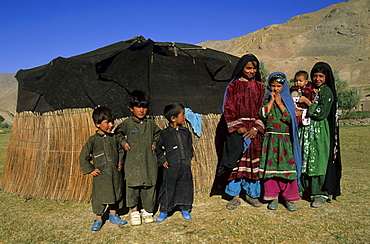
<point x="242" y="102"/>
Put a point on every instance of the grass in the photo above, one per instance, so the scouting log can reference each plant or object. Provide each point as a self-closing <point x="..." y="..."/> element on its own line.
<point x="346" y="220"/>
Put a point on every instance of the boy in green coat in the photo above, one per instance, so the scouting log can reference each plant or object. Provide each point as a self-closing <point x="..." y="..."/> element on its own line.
<point x="141" y="135"/>
<point x="106" y="153"/>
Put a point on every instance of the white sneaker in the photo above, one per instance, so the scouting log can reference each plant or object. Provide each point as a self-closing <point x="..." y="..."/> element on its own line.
<point x="135" y="218"/>
<point x="147" y="217"/>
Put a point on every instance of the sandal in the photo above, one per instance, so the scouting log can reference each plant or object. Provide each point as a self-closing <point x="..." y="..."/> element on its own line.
<point x="273" y="205"/>
<point x="233" y="204"/>
<point x="291" y="206"/>
<point x="253" y="201"/>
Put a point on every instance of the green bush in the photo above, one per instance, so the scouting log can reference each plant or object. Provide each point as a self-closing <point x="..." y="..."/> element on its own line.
<point x="4" y="125"/>
<point x="355" y="115"/>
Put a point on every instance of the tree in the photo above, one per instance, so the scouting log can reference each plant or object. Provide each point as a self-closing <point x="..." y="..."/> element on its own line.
<point x="264" y="72"/>
<point x="348" y="97"/>
<point x="1" y="119"/>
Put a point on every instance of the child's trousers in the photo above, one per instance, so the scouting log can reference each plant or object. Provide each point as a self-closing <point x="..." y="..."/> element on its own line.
<point x="147" y="195"/>
<point x="252" y="187"/>
<point x="288" y="189"/>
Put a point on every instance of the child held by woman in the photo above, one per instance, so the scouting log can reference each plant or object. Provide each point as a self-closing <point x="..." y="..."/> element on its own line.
<point x="301" y="88"/>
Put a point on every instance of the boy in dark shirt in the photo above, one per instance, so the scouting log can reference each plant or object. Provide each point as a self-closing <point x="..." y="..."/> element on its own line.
<point x="175" y="151"/>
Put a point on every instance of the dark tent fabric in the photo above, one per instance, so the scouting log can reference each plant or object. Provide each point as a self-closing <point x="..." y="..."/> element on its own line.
<point x="166" y="72"/>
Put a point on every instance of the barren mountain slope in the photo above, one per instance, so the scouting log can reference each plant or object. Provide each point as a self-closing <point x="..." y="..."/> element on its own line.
<point x="8" y="96"/>
<point x="338" y="34"/>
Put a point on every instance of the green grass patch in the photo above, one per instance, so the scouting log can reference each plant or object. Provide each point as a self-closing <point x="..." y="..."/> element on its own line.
<point x="346" y="220"/>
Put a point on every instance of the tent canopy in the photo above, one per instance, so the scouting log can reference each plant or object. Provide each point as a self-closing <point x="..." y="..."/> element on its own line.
<point x="166" y="72"/>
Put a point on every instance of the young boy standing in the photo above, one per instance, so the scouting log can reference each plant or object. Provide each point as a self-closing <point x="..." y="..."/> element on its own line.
<point x="141" y="135"/>
<point x="175" y="151"/>
<point x="104" y="150"/>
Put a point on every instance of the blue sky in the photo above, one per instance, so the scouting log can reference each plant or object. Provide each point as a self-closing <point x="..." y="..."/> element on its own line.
<point x="35" y="32"/>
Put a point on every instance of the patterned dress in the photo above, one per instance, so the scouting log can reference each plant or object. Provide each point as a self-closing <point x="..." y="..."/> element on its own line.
<point x="277" y="154"/>
<point x="242" y="102"/>
<point x="315" y="137"/>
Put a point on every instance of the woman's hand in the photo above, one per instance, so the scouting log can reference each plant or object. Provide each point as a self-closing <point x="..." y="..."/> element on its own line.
<point x="248" y="133"/>
<point x="242" y="130"/>
<point x="298" y="112"/>
<point x="305" y="100"/>
<point x="251" y="133"/>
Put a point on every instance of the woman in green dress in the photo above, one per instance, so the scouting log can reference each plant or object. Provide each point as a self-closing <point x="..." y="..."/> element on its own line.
<point x="321" y="164"/>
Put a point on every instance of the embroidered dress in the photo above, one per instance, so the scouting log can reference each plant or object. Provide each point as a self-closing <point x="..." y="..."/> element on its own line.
<point x="322" y="167"/>
<point x="277" y="155"/>
<point x="242" y="102"/>
<point x="315" y="137"/>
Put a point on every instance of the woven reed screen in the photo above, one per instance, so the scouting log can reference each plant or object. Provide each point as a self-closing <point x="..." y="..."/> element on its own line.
<point x="43" y="155"/>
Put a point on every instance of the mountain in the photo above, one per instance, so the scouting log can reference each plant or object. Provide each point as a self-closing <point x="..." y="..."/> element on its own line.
<point x="338" y="34"/>
<point x="8" y="96"/>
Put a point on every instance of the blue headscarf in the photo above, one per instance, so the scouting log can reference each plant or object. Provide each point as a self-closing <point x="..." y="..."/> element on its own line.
<point x="289" y="104"/>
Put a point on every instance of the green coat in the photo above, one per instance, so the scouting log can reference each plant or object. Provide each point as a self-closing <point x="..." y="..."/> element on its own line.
<point x="140" y="164"/>
<point x="103" y="151"/>
<point x="315" y="137"/>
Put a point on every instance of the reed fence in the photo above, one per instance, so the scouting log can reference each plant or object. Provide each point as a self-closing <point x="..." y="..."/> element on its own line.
<point x="43" y="155"/>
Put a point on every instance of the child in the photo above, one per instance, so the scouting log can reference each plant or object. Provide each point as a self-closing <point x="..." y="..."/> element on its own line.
<point x="243" y="100"/>
<point x="174" y="152"/>
<point x="141" y="135"/>
<point x="301" y="88"/>
<point x="106" y="153"/>
<point x="321" y="169"/>
<point x="280" y="160"/>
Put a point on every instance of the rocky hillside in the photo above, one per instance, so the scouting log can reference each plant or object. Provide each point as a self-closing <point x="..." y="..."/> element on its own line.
<point x="338" y="35"/>
<point x="8" y="96"/>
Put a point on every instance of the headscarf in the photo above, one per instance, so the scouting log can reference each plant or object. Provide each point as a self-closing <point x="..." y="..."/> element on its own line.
<point x="235" y="146"/>
<point x="289" y="104"/>
<point x="334" y="169"/>
<point x="241" y="64"/>
<point x="238" y="70"/>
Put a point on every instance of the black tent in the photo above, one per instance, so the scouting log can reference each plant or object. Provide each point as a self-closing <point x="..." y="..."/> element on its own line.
<point x="166" y="72"/>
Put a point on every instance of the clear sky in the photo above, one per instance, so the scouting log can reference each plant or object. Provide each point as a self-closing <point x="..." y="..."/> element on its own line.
<point x="33" y="32"/>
